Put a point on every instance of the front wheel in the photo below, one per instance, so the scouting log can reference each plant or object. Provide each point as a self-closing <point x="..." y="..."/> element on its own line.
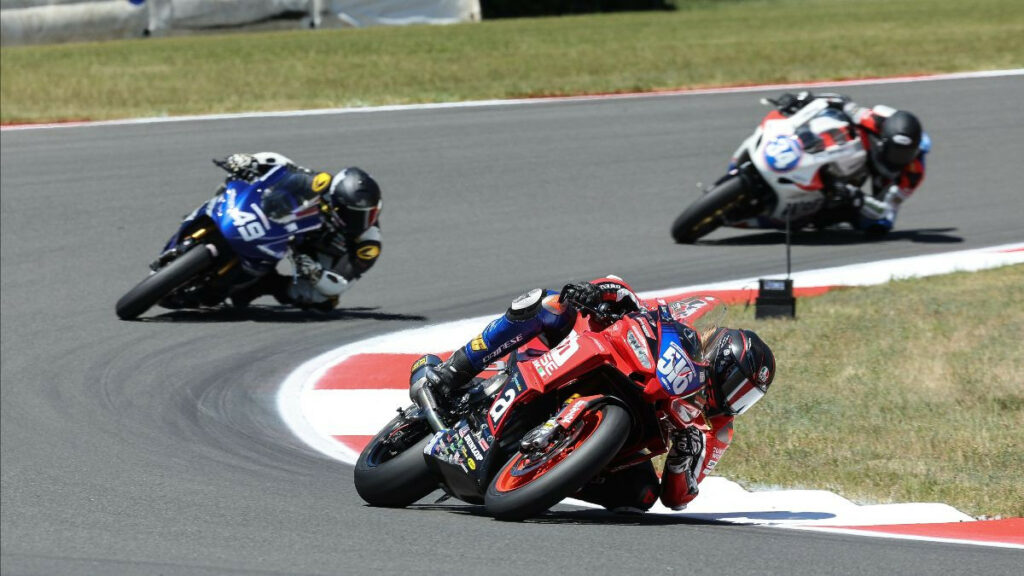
<point x="531" y="483"/>
<point x="392" y="470"/>
<point x="710" y="211"/>
<point x="164" y="281"/>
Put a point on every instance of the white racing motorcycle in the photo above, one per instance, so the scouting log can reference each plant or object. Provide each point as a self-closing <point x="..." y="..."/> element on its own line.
<point x="785" y="171"/>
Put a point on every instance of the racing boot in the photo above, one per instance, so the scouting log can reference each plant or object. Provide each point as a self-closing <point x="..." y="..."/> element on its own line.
<point x="450" y="378"/>
<point x="270" y="285"/>
<point x="445" y="380"/>
<point x="684" y="457"/>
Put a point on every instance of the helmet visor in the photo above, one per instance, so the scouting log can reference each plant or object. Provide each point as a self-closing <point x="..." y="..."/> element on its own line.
<point x="739" y="393"/>
<point x="359" y="218"/>
<point x="897" y="155"/>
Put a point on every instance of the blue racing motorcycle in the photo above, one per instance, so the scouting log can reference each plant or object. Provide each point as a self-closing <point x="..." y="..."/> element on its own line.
<point x="230" y="241"/>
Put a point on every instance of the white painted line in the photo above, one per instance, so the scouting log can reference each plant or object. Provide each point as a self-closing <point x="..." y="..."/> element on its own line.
<point x="523" y="101"/>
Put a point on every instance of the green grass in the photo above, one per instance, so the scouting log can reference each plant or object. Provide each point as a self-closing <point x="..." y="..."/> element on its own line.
<point x="910" y="391"/>
<point x="702" y="44"/>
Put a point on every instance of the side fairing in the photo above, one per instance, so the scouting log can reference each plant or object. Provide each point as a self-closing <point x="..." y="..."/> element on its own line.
<point x="515" y="390"/>
<point x="577" y="353"/>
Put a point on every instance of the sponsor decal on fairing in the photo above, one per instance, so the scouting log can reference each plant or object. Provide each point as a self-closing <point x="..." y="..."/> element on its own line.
<point x="782" y="153"/>
<point x="551" y="361"/>
<point x="675" y="371"/>
<point x="639" y="347"/>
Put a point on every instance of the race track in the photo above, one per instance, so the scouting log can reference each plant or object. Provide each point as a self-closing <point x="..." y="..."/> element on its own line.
<point x="154" y="447"/>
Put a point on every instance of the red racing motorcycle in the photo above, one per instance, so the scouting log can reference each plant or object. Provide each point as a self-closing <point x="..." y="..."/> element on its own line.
<point x="546" y="422"/>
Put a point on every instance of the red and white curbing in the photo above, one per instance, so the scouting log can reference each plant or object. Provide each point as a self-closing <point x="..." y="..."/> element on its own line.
<point x="337" y="401"/>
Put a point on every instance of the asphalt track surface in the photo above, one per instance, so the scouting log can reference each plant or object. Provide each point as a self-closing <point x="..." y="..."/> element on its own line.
<point x="154" y="447"/>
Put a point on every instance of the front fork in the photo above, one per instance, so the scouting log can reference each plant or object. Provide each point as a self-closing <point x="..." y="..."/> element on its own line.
<point x="171" y="254"/>
<point x="561" y="423"/>
<point x="757" y="196"/>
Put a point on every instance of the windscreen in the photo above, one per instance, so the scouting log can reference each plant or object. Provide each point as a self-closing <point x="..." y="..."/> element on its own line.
<point x="828" y="128"/>
<point x="705" y="315"/>
<point x="291" y="194"/>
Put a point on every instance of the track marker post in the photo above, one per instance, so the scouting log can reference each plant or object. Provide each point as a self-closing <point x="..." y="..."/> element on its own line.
<point x="775" y="297"/>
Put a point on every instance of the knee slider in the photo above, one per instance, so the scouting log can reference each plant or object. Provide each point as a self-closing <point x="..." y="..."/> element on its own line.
<point x="331" y="284"/>
<point x="526" y="306"/>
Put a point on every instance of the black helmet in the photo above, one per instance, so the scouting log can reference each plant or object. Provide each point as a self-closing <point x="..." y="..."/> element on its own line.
<point x="901" y="137"/>
<point x="353" y="201"/>
<point x="742" y="370"/>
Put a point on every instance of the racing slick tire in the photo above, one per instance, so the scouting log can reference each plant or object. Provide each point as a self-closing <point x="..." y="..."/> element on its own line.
<point x="523" y="488"/>
<point x="164" y="281"/>
<point x="394" y="480"/>
<point x="709" y="211"/>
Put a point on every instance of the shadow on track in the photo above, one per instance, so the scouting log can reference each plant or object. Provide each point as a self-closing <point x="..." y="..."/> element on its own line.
<point x="279" y="314"/>
<point x="588" y="516"/>
<point x="831" y="237"/>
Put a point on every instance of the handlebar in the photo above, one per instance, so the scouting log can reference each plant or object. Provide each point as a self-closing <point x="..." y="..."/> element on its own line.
<point x="597" y="312"/>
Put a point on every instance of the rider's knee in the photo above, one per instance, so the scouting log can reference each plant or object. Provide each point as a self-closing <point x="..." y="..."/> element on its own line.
<point x="525" y="306"/>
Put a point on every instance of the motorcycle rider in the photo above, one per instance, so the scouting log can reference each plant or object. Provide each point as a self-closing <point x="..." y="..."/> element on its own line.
<point x="329" y="260"/>
<point x="741" y="369"/>
<point x="896" y="147"/>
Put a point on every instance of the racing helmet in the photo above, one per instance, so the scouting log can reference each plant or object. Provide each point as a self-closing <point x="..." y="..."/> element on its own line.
<point x="901" y="137"/>
<point x="741" y="372"/>
<point x="353" y="201"/>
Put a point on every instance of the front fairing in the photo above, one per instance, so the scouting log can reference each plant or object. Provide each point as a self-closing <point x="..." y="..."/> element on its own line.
<point x="705" y="315"/>
<point x="688" y="330"/>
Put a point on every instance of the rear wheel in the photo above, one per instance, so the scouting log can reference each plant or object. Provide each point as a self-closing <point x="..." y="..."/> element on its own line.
<point x="710" y="211"/>
<point x="164" y="281"/>
<point x="392" y="470"/>
<point x="531" y="483"/>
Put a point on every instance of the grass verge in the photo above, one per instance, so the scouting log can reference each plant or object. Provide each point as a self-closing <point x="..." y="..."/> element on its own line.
<point x="907" y="392"/>
<point x="702" y="44"/>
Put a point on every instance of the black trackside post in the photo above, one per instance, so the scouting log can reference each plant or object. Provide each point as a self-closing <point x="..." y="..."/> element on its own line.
<point x="775" y="297"/>
<point x="788" y="245"/>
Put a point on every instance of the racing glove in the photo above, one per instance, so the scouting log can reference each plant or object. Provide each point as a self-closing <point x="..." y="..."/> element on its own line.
<point x="876" y="216"/>
<point x="326" y="282"/>
<point x="584" y="294"/>
<point x="308" y="268"/>
<point x="685" y="455"/>
<point x="242" y="165"/>
<point x="790" y="103"/>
